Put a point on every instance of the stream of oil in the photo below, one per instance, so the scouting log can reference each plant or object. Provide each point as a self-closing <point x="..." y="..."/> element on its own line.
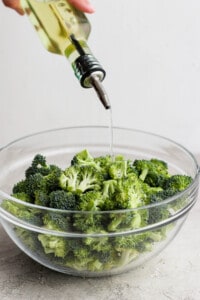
<point x="110" y="126"/>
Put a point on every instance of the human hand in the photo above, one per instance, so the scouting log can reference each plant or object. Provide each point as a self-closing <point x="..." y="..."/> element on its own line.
<point x="83" y="5"/>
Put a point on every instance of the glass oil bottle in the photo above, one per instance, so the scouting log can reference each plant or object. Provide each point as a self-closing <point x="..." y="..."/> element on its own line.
<point x="64" y="30"/>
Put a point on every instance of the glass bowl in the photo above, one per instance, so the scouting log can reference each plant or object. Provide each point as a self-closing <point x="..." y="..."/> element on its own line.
<point x="59" y="146"/>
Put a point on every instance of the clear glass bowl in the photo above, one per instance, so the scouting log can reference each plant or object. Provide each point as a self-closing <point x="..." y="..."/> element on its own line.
<point x="59" y="146"/>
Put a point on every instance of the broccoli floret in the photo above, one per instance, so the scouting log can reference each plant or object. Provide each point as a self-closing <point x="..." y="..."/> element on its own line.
<point x="160" y="212"/>
<point x="99" y="244"/>
<point x="61" y="199"/>
<point x="28" y="238"/>
<point x="154" y="172"/>
<point x="69" y="178"/>
<point x="103" y="164"/>
<point x="56" y="221"/>
<point x="22" y="212"/>
<point x="35" y="183"/>
<point x="129" y="193"/>
<point x="90" y="201"/>
<point x="19" y="187"/>
<point x="38" y="186"/>
<point x="161" y="195"/>
<point x="84" y="259"/>
<point x="80" y="179"/>
<point x="84" y="158"/>
<point x="22" y="196"/>
<point x="41" y="198"/>
<point x="126" y="248"/>
<point x="38" y="165"/>
<point x="52" y="180"/>
<point x="128" y="220"/>
<point x="178" y="183"/>
<point x="53" y="244"/>
<point x="89" y="220"/>
<point x="108" y="191"/>
<point x="118" y="169"/>
<point x="89" y="179"/>
<point x="129" y="246"/>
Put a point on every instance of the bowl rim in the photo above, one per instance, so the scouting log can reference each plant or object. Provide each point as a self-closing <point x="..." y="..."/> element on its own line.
<point x="166" y="201"/>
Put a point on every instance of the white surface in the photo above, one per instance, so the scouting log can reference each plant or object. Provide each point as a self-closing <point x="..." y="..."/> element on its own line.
<point x="150" y="50"/>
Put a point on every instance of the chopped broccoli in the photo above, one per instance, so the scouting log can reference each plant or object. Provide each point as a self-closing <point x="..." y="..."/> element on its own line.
<point x="103" y="164"/>
<point x="118" y="169"/>
<point x="90" y="201"/>
<point x="38" y="165"/>
<point x="53" y="244"/>
<point x="154" y="171"/>
<point x="178" y="183"/>
<point x="62" y="200"/>
<point x="84" y="158"/>
<point x="129" y="193"/>
<point x="69" y="178"/>
<point x="56" y="221"/>
<point x="89" y="179"/>
<point x="128" y="220"/>
<point x="22" y="196"/>
<point x="108" y="195"/>
<point x="28" y="238"/>
<point x="28" y="214"/>
<point x="41" y="198"/>
<point x="79" y="179"/>
<point x="19" y="187"/>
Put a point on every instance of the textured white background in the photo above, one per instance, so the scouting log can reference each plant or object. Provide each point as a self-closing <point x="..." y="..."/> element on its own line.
<point x="150" y="50"/>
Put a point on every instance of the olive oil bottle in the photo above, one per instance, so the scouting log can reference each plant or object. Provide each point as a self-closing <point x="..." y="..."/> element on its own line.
<point x="64" y="30"/>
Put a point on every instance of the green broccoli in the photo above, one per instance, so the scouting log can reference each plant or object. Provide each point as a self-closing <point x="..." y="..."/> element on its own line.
<point x="69" y="178"/>
<point x="41" y="198"/>
<point x="84" y="158"/>
<point x="118" y="169"/>
<point x="57" y="221"/>
<point x="129" y="193"/>
<point x="53" y="244"/>
<point x="38" y="165"/>
<point x="89" y="179"/>
<point x="154" y="171"/>
<point x="128" y="220"/>
<point x="61" y="199"/>
<point x="90" y="201"/>
<point x="19" y="187"/>
<point x="94" y="222"/>
<point x="28" y="238"/>
<point x="107" y="194"/>
<point x="80" y="179"/>
<point x="29" y="214"/>
<point x="22" y="196"/>
<point x="102" y="163"/>
<point x="178" y="183"/>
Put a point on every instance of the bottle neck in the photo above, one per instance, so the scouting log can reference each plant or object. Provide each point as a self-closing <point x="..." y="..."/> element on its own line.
<point x="86" y="68"/>
<point x="83" y="62"/>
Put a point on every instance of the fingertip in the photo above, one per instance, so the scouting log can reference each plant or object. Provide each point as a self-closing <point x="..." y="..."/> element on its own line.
<point x="83" y="5"/>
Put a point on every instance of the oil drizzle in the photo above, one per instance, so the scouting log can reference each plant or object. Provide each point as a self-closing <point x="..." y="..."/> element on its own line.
<point x="111" y="133"/>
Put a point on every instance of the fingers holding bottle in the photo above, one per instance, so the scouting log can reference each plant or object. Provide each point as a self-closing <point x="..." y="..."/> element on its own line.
<point x="14" y="4"/>
<point x="83" y="5"/>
